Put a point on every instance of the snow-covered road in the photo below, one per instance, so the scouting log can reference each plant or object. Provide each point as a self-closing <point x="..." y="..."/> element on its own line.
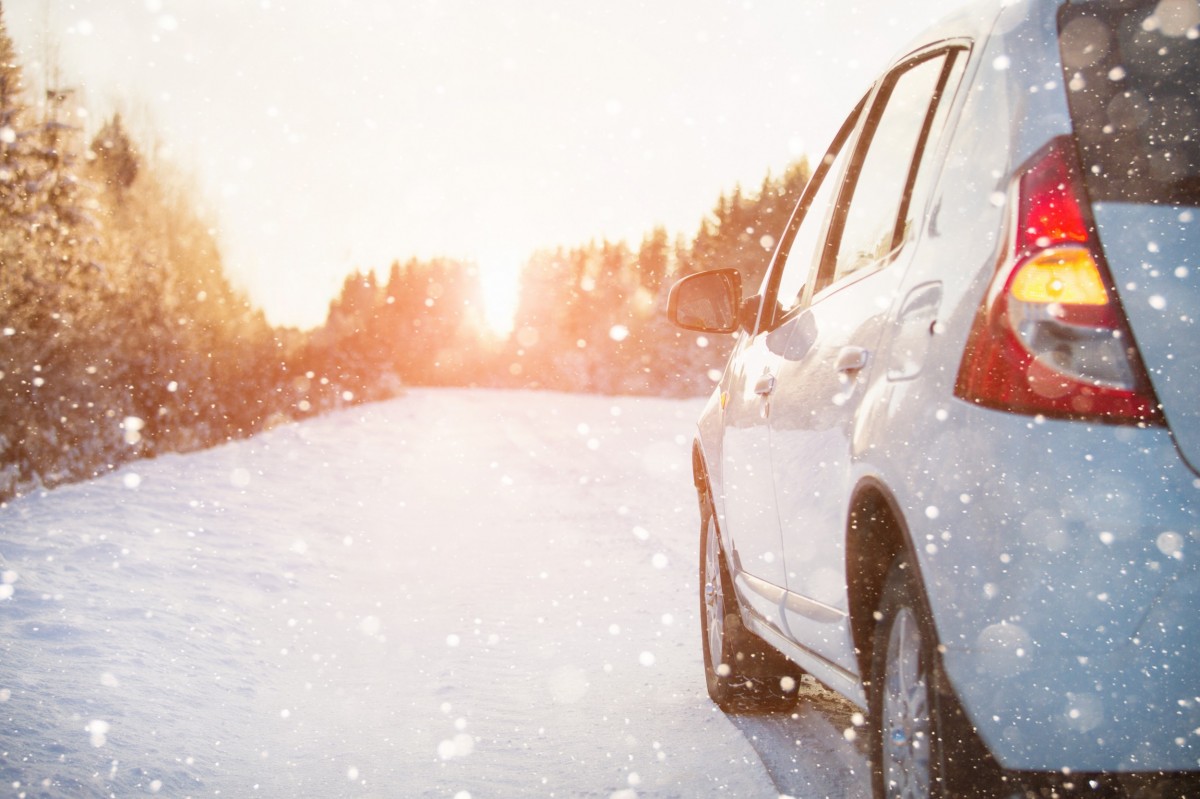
<point x="452" y="594"/>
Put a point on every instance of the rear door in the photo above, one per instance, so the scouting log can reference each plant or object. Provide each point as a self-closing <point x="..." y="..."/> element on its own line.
<point x="823" y="379"/>
<point x="751" y="510"/>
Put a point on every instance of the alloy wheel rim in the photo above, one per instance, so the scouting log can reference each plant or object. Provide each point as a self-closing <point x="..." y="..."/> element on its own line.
<point x="906" y="723"/>
<point x="714" y="599"/>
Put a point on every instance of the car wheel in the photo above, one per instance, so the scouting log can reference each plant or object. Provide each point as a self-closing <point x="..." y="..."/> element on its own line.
<point x="924" y="746"/>
<point x="741" y="671"/>
<point x="902" y="695"/>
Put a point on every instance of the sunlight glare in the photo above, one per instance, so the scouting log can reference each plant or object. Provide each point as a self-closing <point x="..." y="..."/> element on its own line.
<point x="500" y="280"/>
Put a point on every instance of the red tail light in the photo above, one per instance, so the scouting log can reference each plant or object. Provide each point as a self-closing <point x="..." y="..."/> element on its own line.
<point x="1051" y="337"/>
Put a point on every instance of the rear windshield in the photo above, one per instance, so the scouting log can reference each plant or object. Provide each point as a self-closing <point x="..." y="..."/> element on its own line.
<point x="1132" y="71"/>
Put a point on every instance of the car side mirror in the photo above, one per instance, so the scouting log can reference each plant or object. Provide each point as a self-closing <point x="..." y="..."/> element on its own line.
<point x="707" y="302"/>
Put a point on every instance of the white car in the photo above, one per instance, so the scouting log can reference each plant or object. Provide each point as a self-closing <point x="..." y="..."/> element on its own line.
<point x="951" y="469"/>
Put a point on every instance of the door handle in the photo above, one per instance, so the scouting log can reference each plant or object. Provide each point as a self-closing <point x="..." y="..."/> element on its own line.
<point x="765" y="384"/>
<point x="851" y="359"/>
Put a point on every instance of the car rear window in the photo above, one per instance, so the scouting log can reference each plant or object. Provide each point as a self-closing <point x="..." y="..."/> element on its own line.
<point x="1132" y="71"/>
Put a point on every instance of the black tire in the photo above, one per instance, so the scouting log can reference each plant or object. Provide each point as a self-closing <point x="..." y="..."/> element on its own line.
<point x="742" y="672"/>
<point x="923" y="745"/>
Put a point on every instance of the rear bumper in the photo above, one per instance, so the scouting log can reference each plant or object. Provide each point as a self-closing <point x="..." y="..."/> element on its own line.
<point x="1065" y="589"/>
<point x="1136" y="709"/>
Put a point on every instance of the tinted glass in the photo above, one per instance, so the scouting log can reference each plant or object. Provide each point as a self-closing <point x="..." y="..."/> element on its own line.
<point x="804" y="242"/>
<point x="884" y="179"/>
<point x="806" y="248"/>
<point x="1132" y="72"/>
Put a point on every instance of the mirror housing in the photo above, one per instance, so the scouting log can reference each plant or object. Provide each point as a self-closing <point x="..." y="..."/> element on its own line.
<point x="707" y="302"/>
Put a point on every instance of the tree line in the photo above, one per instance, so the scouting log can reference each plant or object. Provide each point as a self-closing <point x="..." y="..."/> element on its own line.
<point x="122" y="337"/>
<point x="590" y="318"/>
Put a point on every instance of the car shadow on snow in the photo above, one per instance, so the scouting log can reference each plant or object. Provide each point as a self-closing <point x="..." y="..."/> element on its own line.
<point x="816" y="749"/>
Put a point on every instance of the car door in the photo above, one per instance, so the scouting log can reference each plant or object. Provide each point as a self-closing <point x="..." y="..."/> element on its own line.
<point x="751" y="510"/>
<point x="751" y="517"/>
<point x="822" y="378"/>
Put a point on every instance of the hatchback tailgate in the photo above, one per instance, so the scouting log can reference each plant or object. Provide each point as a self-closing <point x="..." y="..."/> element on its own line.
<point x="1151" y="252"/>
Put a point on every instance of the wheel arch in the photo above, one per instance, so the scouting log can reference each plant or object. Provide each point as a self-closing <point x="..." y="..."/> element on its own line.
<point x="707" y="482"/>
<point x="876" y="533"/>
<point x="699" y="468"/>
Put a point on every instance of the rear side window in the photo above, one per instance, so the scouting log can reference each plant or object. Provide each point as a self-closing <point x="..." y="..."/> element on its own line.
<point x="883" y="186"/>
<point x="806" y="248"/>
<point x="1132" y="72"/>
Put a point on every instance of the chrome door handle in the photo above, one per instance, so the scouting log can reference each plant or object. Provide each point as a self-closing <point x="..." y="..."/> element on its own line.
<point x="765" y="384"/>
<point x="851" y="359"/>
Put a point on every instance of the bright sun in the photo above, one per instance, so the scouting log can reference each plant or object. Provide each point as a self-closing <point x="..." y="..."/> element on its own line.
<point x="500" y="280"/>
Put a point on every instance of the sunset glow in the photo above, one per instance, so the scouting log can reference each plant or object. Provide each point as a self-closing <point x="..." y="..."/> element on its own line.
<point x="332" y="137"/>
<point x="499" y="280"/>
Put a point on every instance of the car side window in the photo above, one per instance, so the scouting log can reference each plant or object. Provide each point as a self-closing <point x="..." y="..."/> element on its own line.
<point x="802" y="255"/>
<point x="876" y="218"/>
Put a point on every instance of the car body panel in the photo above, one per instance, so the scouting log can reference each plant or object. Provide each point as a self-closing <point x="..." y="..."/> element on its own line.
<point x="812" y="425"/>
<point x="1152" y="254"/>
<point x="1120" y="712"/>
<point x="746" y="464"/>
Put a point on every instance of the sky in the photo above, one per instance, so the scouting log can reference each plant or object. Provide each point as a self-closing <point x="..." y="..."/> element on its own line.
<point x="331" y="136"/>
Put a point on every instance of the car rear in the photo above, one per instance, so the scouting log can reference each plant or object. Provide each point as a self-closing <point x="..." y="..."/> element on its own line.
<point x="1054" y="510"/>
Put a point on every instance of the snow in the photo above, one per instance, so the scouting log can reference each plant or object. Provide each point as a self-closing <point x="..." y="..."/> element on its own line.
<point x="451" y="594"/>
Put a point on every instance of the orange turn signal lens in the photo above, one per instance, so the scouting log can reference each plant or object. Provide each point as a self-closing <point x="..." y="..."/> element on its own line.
<point x="1064" y="275"/>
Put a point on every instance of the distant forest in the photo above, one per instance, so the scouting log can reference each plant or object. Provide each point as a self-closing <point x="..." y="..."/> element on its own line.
<point x="121" y="336"/>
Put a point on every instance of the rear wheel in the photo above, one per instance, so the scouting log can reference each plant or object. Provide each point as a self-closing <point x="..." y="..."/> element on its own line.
<point x="742" y="672"/>
<point x="902" y="682"/>
<point x="924" y="744"/>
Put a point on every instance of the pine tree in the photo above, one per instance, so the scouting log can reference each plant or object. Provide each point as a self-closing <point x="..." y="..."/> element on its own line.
<point x="15" y="151"/>
<point x="653" y="259"/>
<point x="116" y="156"/>
<point x="22" y="280"/>
<point x="135" y="319"/>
